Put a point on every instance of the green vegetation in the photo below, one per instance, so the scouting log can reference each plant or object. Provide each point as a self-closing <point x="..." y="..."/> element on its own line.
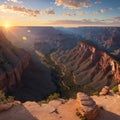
<point x="115" y="88"/>
<point x="96" y="93"/>
<point x="80" y="115"/>
<point x="4" y="99"/>
<point x="53" y="96"/>
<point x="68" y="87"/>
<point x="50" y="97"/>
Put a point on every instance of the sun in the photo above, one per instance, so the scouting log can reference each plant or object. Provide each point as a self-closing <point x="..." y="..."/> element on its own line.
<point x="7" y="25"/>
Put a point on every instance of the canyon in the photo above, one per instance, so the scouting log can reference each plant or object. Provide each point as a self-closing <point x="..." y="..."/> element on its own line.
<point x="84" y="54"/>
<point x="88" y="65"/>
<point x="61" y="61"/>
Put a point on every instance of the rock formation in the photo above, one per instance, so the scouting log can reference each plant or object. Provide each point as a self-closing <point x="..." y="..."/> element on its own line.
<point x="7" y="106"/>
<point x="105" y="90"/>
<point x="4" y="107"/>
<point x="87" y="107"/>
<point x="12" y="63"/>
<point x="56" y="110"/>
<point x="90" y="66"/>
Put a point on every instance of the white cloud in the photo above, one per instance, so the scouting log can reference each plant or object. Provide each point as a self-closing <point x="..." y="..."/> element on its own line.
<point x="15" y="1"/>
<point x="81" y="13"/>
<point x="87" y="22"/>
<point x="49" y="12"/>
<point x="73" y="4"/>
<point x="102" y="11"/>
<point x="68" y="14"/>
<point x="98" y="1"/>
<point x="22" y="10"/>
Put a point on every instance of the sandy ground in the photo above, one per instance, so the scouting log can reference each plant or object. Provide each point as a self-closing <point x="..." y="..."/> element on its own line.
<point x="110" y="105"/>
<point x="57" y="110"/>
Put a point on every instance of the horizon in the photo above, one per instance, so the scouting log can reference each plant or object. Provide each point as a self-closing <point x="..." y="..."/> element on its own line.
<point x="10" y="27"/>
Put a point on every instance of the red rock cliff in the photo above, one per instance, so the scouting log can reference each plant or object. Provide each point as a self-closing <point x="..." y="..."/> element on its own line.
<point x="12" y="63"/>
<point x="89" y="65"/>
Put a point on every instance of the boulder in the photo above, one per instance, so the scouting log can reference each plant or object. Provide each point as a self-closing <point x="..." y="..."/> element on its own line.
<point x="87" y="107"/>
<point x="48" y="108"/>
<point x="4" y="107"/>
<point x="16" y="103"/>
<point x="105" y="90"/>
<point x="56" y="103"/>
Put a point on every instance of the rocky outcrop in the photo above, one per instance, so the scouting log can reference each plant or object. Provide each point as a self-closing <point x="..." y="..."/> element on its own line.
<point x="12" y="63"/>
<point x="87" y="106"/>
<point x="105" y="90"/>
<point x="89" y="65"/>
<point x="106" y="37"/>
<point x="7" y="106"/>
<point x="55" y="110"/>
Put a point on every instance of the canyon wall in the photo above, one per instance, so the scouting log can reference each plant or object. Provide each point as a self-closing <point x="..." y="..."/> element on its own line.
<point x="12" y="63"/>
<point x="89" y="65"/>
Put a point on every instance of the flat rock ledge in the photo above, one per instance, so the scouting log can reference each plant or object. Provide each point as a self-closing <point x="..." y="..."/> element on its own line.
<point x="87" y="106"/>
<point x="5" y="107"/>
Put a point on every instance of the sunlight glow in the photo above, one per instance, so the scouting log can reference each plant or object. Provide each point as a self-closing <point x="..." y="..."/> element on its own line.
<point x="24" y="38"/>
<point x="7" y="25"/>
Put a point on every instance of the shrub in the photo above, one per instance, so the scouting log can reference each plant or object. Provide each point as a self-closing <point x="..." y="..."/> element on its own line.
<point x="10" y="99"/>
<point x="53" y="96"/>
<point x="115" y="88"/>
<point x="96" y="93"/>
<point x="101" y="107"/>
<point x="4" y="99"/>
<point x="80" y="115"/>
<point x="42" y="102"/>
<point x="50" y="97"/>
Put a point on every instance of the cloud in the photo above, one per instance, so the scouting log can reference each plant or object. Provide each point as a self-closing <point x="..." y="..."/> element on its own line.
<point x="98" y="1"/>
<point x="49" y="12"/>
<point x="102" y="11"/>
<point x="73" y="4"/>
<point x="71" y="14"/>
<point x="83" y="22"/>
<point x="86" y="22"/>
<point x="15" y="1"/>
<point x="115" y="21"/>
<point x="22" y="10"/>
<point x="68" y="14"/>
<point x="117" y="18"/>
<point x="81" y="13"/>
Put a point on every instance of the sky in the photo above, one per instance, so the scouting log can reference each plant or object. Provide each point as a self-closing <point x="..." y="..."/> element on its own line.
<point x="65" y="13"/>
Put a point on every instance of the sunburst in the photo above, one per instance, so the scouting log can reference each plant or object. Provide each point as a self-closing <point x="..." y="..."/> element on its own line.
<point x="7" y="25"/>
